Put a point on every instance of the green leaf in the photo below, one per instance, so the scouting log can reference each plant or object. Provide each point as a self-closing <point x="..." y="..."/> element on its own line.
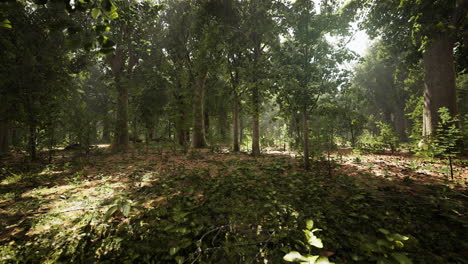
<point x="312" y="239"/>
<point x="95" y="13"/>
<point x="173" y="250"/>
<point x="179" y="259"/>
<point x="323" y="260"/>
<point x="384" y="231"/>
<point x="110" y="212"/>
<point x="114" y="15"/>
<point x="293" y="256"/>
<point x="310" y="224"/>
<point x="401" y="258"/>
<point x="125" y="208"/>
<point x="80" y="91"/>
<point x="6" y="24"/>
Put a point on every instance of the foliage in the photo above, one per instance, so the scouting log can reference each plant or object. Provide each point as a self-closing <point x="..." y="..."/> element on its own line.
<point x="446" y="142"/>
<point x="188" y="212"/>
<point x="385" y="140"/>
<point x="312" y="240"/>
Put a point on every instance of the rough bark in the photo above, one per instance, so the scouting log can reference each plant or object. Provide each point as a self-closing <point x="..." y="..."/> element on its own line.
<point x="198" y="135"/>
<point x="439" y="86"/>
<point x="235" y="125"/>
<point x="255" y="121"/>
<point x="401" y="124"/>
<point x="305" y="134"/>
<point x="121" y="140"/>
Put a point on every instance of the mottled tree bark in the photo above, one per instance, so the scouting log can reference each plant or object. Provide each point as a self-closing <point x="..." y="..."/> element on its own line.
<point x="439" y="86"/>
<point x="198" y="134"/>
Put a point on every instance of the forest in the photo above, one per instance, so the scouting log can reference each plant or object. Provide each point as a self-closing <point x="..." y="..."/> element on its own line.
<point x="233" y="131"/>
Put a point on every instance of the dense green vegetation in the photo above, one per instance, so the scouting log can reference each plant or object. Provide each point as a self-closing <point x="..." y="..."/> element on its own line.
<point x="233" y="131"/>
<point x="223" y="208"/>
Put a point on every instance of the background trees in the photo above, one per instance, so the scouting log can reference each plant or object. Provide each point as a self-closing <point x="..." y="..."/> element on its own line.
<point x="195" y="73"/>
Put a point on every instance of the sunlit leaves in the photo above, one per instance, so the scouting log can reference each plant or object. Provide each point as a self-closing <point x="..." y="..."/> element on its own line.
<point x="5" y="23"/>
<point x="95" y="13"/>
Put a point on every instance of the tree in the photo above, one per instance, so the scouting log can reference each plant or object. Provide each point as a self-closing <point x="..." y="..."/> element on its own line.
<point x="128" y="31"/>
<point x="309" y="64"/>
<point x="433" y="27"/>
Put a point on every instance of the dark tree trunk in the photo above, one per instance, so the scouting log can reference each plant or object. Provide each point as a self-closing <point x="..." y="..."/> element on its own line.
<point x="255" y="121"/>
<point x="439" y="87"/>
<point x="121" y="139"/>
<point x="198" y="135"/>
<point x="235" y="125"/>
<point x="305" y="134"/>
<point x="32" y="142"/>
<point x="400" y="124"/>
<point x="206" y="124"/>
<point x="106" y="129"/>
<point x="4" y="137"/>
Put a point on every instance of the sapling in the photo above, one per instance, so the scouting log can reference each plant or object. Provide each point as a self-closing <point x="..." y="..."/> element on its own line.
<point x="447" y="137"/>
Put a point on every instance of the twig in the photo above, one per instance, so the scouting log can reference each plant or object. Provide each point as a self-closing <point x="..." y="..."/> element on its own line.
<point x="264" y="246"/>
<point x="68" y="210"/>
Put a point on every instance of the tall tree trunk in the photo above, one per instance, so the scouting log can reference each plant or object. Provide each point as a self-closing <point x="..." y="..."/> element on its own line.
<point x="206" y="123"/>
<point x="255" y="121"/>
<point x="235" y="125"/>
<point x="32" y="142"/>
<point x="121" y="140"/>
<point x="305" y="134"/>
<point x="106" y="129"/>
<point x="198" y="135"/>
<point x="439" y="86"/>
<point x="4" y="137"/>
<point x="400" y="124"/>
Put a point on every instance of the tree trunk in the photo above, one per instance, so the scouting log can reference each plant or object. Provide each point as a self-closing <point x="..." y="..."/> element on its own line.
<point x="106" y="129"/>
<point x="235" y="125"/>
<point x="4" y="137"/>
<point x="255" y="121"/>
<point x="121" y="140"/>
<point x="400" y="124"/>
<point x="305" y="134"/>
<point x="198" y="135"/>
<point x="206" y="123"/>
<point x="32" y="142"/>
<point x="439" y="86"/>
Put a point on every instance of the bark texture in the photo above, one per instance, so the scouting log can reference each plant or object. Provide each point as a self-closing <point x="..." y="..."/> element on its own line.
<point x="439" y="87"/>
<point x="121" y="139"/>
<point x="198" y="135"/>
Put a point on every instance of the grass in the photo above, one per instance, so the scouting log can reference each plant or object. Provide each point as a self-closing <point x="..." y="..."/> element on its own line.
<point x="203" y="207"/>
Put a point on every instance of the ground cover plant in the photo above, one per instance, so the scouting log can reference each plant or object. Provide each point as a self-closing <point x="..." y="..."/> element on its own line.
<point x="209" y="207"/>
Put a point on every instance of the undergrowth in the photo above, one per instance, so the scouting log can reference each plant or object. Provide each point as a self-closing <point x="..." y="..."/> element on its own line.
<point x="238" y="209"/>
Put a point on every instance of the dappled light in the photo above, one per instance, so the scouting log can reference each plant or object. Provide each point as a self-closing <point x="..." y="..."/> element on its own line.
<point x="233" y="131"/>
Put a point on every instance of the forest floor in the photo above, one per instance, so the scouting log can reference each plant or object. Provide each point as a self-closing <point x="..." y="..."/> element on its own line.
<point x="204" y="207"/>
